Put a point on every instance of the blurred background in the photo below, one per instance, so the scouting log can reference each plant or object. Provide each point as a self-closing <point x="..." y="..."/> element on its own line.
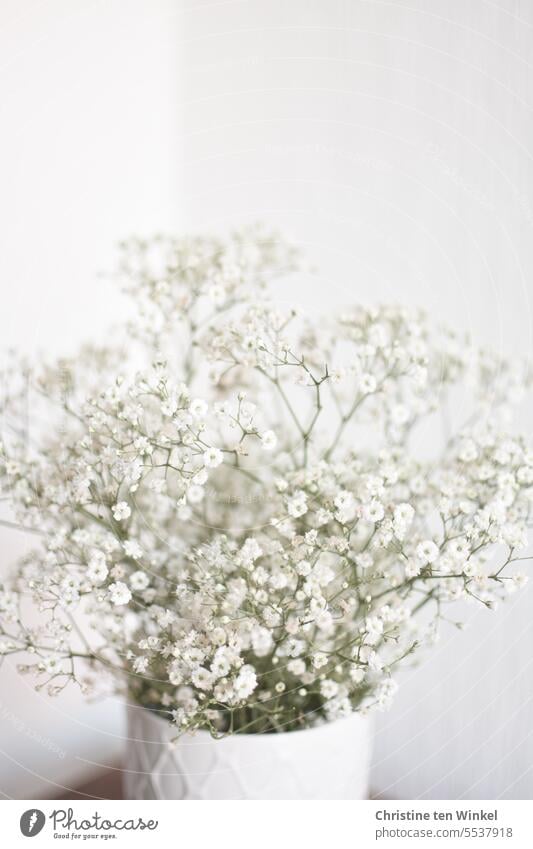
<point x="392" y="141"/>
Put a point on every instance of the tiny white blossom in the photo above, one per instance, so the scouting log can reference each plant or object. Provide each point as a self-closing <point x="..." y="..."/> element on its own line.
<point x="121" y="510"/>
<point x="367" y="384"/>
<point x="213" y="457"/>
<point x="119" y="593"/>
<point x="140" y="664"/>
<point x="296" y="667"/>
<point x="97" y="570"/>
<point x="268" y="440"/>
<point x="139" y="580"/>
<point x="329" y="688"/>
<point x="195" y="494"/>
<point x="403" y="516"/>
<point x="202" y="678"/>
<point x="427" y="551"/>
<point x="132" y="549"/>
<point x="245" y="682"/>
<point x="373" y="512"/>
<point x="297" y="505"/>
<point x="198" y="408"/>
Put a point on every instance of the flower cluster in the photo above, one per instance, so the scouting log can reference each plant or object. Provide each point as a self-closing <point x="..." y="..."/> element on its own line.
<point x="242" y="534"/>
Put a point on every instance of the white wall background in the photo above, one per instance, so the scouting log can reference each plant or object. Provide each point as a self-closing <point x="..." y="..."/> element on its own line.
<point x="89" y="154"/>
<point x="392" y="139"/>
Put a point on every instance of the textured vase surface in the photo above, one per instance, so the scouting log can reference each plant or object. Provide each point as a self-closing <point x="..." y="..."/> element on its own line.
<point x="328" y="762"/>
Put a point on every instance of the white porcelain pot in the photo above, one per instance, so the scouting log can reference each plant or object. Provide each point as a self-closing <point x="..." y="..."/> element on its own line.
<point x="328" y="762"/>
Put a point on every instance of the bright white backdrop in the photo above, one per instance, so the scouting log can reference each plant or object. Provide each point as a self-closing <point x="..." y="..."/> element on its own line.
<point x="90" y="153"/>
<point x="392" y="140"/>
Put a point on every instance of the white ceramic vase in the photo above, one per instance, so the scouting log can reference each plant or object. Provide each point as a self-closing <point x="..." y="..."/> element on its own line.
<point x="328" y="762"/>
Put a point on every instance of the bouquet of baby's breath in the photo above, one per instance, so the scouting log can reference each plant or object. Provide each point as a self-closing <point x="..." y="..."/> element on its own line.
<point x="240" y="511"/>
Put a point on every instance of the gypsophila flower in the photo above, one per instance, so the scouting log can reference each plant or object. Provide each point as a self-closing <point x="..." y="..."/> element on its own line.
<point x="427" y="551"/>
<point x="373" y="512"/>
<point x="139" y="580"/>
<point x="269" y="440"/>
<point x="245" y="683"/>
<point x="235" y="499"/>
<point x="202" y="678"/>
<point x="121" y="511"/>
<point x="132" y="549"/>
<point x="119" y="593"/>
<point x="195" y="494"/>
<point x="97" y="570"/>
<point x="213" y="457"/>
<point x="198" y="408"/>
<point x="297" y="505"/>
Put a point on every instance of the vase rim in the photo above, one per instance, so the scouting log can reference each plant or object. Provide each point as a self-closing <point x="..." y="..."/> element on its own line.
<point x="152" y="715"/>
